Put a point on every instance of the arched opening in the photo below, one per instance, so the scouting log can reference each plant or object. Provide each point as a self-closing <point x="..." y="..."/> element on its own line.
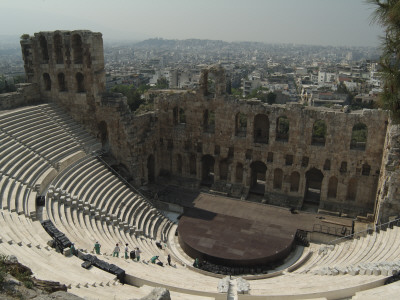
<point x="77" y="50"/>
<point x="327" y="165"/>
<point x="179" y="164"/>
<point x="352" y="190"/>
<point x="103" y="135"/>
<point x="62" y="86"/>
<point x="278" y="178"/>
<point x="282" y="129"/>
<point x="294" y="182"/>
<point x="332" y="187"/>
<point x="44" y="50"/>
<point x="182" y="117"/>
<point x="240" y="125"/>
<point x="192" y="164"/>
<point x="58" y="53"/>
<point x="312" y="193"/>
<point x="151" y="169"/>
<point x="209" y="121"/>
<point x="258" y="177"/>
<point x="207" y="174"/>
<point x="46" y="82"/>
<point x="359" y="136"/>
<point x="223" y="169"/>
<point x="239" y="173"/>
<point x="80" y="84"/>
<point x="175" y="115"/>
<point x="319" y="133"/>
<point x="366" y="169"/>
<point x="261" y="129"/>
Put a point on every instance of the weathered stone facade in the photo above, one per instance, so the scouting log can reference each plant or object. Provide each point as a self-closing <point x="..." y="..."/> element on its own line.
<point x="388" y="195"/>
<point x="291" y="155"/>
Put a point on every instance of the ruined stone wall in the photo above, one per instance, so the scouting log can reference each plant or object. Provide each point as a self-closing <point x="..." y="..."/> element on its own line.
<point x="26" y="94"/>
<point x="388" y="196"/>
<point x="68" y="66"/>
<point x="236" y="155"/>
<point x="129" y="138"/>
<point x="206" y="137"/>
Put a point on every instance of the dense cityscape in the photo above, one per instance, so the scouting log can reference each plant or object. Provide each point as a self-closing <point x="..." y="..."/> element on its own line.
<point x="274" y="73"/>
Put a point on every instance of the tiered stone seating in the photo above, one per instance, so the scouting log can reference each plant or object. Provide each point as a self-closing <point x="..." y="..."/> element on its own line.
<point x="88" y="203"/>
<point x="376" y="254"/>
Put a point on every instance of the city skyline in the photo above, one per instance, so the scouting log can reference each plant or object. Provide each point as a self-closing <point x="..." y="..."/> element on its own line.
<point x="311" y="22"/>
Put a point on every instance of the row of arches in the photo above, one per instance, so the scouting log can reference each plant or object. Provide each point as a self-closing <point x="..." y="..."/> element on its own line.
<point x="59" y="49"/>
<point x="62" y="84"/>
<point x="258" y="178"/>
<point x="261" y="128"/>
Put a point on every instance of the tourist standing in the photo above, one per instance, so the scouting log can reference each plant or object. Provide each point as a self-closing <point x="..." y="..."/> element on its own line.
<point x="97" y="247"/>
<point x="126" y="251"/>
<point x="137" y="253"/>
<point x="116" y="251"/>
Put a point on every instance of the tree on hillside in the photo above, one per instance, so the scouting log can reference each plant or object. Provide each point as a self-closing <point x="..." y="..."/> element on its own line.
<point x="387" y="14"/>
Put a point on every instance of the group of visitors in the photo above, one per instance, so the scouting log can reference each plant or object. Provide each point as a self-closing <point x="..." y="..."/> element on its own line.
<point x="134" y="254"/>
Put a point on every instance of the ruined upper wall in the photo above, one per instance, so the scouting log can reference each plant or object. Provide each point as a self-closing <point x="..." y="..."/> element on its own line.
<point x="388" y="196"/>
<point x="68" y="67"/>
<point x="26" y="94"/>
<point x="240" y="141"/>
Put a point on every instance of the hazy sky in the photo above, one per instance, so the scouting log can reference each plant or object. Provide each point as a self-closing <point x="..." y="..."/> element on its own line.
<point x="320" y="22"/>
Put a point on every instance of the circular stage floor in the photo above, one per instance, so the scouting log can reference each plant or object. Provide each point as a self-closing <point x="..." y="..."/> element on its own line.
<point x="231" y="232"/>
<point x="233" y="241"/>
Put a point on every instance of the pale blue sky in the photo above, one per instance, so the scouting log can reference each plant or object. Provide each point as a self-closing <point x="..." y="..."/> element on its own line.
<point x="319" y="22"/>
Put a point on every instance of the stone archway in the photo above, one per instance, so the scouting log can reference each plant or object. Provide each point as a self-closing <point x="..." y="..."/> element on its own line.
<point x="312" y="194"/>
<point x="207" y="170"/>
<point x="103" y="135"/>
<point x="258" y="177"/>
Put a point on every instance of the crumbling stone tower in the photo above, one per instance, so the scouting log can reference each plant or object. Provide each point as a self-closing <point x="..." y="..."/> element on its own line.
<point x="67" y="66"/>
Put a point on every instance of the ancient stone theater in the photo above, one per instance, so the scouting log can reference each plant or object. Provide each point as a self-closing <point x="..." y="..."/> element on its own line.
<point x="274" y="201"/>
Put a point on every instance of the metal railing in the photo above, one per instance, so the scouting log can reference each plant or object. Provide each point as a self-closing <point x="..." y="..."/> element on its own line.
<point x="333" y="230"/>
<point x="376" y="228"/>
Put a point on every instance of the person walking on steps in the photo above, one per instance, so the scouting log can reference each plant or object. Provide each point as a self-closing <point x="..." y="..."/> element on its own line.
<point x="137" y="253"/>
<point x="116" y="251"/>
<point x="169" y="259"/>
<point x="97" y="247"/>
<point x="126" y="251"/>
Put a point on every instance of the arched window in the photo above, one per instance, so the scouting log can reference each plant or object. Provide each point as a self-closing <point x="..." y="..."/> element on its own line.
<point x="223" y="169"/>
<point x="282" y="129"/>
<point x="46" y="81"/>
<point x="77" y="50"/>
<point x="352" y="189"/>
<point x="209" y="121"/>
<point x="359" y="136"/>
<point x="80" y="84"/>
<point x="327" y="165"/>
<point x="62" y="86"/>
<point x="182" y="117"/>
<point x="175" y="115"/>
<point x="332" y="187"/>
<point x="58" y="52"/>
<point x="207" y="173"/>
<point x="278" y="177"/>
<point x="319" y="133"/>
<point x="239" y="173"/>
<point x="294" y="182"/>
<point x="258" y="177"/>
<point x="192" y="164"/>
<point x="261" y="129"/>
<point x="240" y="124"/>
<point x="366" y="169"/>
<point x="43" y="48"/>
